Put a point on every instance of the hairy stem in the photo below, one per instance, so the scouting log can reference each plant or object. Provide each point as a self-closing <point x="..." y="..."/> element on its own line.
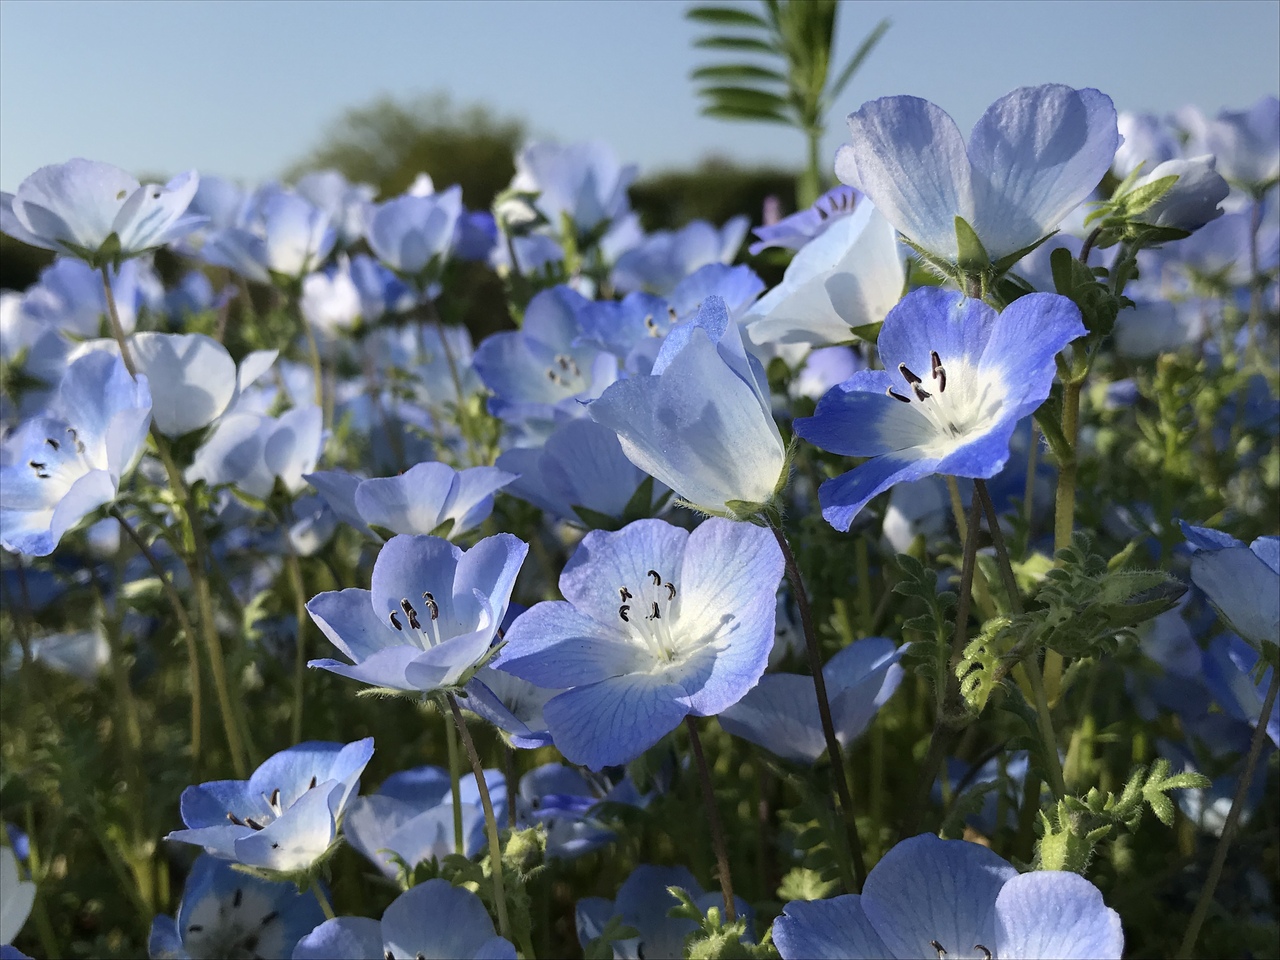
<point x="713" y="819"/>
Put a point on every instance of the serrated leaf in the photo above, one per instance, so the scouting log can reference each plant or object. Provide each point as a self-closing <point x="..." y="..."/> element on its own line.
<point x="745" y="97"/>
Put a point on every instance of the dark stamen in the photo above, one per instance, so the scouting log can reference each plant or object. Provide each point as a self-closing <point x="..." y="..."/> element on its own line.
<point x="939" y="373"/>
<point x="654" y="615"/>
<point x="39" y="468"/>
<point x="622" y="612"/>
<point x="250" y="822"/>
<point x="195" y="928"/>
<point x="394" y="622"/>
<point x="52" y="442"/>
<point x="312" y="784"/>
<point x="388" y="956"/>
<point x="657" y="578"/>
<point x="433" y="608"/>
<point x="651" y="326"/>
<point x="907" y="374"/>
<point x="986" y="954"/>
<point x="234" y="819"/>
<point x="937" y="946"/>
<point x="239" y="895"/>
<point x="897" y="396"/>
<point x="624" y="593"/>
<point x="270" y="917"/>
<point x="671" y="590"/>
<point x="411" y="613"/>
<point x="671" y="312"/>
<point x="921" y="392"/>
<point x="275" y="798"/>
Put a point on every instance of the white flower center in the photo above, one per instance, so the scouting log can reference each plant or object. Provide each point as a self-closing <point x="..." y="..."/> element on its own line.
<point x="234" y="927"/>
<point x="649" y="610"/>
<point x="421" y="626"/>
<point x="955" y="405"/>
<point x="60" y="463"/>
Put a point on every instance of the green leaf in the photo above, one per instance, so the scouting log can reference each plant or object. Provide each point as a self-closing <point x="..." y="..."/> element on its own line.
<point x="745" y="97"/>
<point x="851" y="67"/>
<point x="737" y="71"/>
<point x="596" y="520"/>
<point x="973" y="255"/>
<point x="870" y="332"/>
<point x="726" y="16"/>
<point x="763" y="116"/>
<point x="735" y="43"/>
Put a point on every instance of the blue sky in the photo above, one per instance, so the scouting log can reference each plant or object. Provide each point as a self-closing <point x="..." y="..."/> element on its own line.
<point x="242" y="88"/>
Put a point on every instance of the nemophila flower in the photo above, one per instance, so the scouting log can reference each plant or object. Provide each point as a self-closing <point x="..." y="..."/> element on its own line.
<point x="345" y="203"/>
<point x="283" y="236"/>
<point x="958" y="377"/>
<point x="539" y="373"/>
<point x="1229" y="665"/>
<point x="583" y="182"/>
<point x="226" y="912"/>
<point x="381" y="291"/>
<point x="475" y="236"/>
<point x="433" y="920"/>
<point x="16" y="897"/>
<point x="97" y="212"/>
<point x="1031" y="159"/>
<point x="702" y="421"/>
<point x="512" y="705"/>
<point x="581" y="475"/>
<point x="929" y="897"/>
<point x="1008" y="772"/>
<point x="643" y="903"/>
<point x="430" y="617"/>
<point x="330" y="299"/>
<point x="191" y="296"/>
<point x="849" y="276"/>
<point x="781" y="712"/>
<point x="564" y="802"/>
<point x="69" y="297"/>
<point x="658" y="624"/>
<point x="58" y="468"/>
<point x="1242" y="582"/>
<point x="666" y="257"/>
<point x="1246" y="144"/>
<point x="252" y="452"/>
<point x="410" y="817"/>
<point x="795" y="231"/>
<point x="1192" y="200"/>
<point x="285" y="817"/>
<point x="739" y="287"/>
<point x="412" y="234"/>
<point x="421" y="500"/>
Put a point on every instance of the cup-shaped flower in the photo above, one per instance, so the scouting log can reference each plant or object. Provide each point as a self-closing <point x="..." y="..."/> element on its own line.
<point x="57" y="468"/>
<point x="97" y="212"/>
<point x="253" y="452"/>
<point x="958" y="377"/>
<point x="1246" y="144"/>
<point x="850" y="275"/>
<point x="284" y="237"/>
<point x="285" y="817"/>
<point x="702" y="421"/>
<point x="412" y="234"/>
<point x="430" y="617"/>
<point x="1031" y="159"/>
<point x="1242" y="582"/>
<point x="658" y="624"/>
<point x="345" y="203"/>
<point x="664" y="258"/>
<point x="581" y="182"/>
<point x="1192" y="200"/>
<point x="781" y="712"/>
<point x="226" y="912"/>
<point x="930" y="897"/>
<point x="433" y="920"/>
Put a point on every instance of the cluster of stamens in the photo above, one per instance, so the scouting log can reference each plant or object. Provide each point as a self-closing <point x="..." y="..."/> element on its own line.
<point x="915" y="382"/>
<point x="40" y="467"/>
<point x="564" y="368"/>
<point x="840" y="203"/>
<point x="414" y="619"/>
<point x="273" y="802"/>
<point x="643" y="610"/>
<point x="986" y="954"/>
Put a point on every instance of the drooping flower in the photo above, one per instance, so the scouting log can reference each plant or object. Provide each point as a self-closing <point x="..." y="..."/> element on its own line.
<point x="658" y="624"/>
<point x="56" y="469"/>
<point x="702" y="421"/>
<point x="1031" y="159"/>
<point x="97" y="212"/>
<point x="781" y="712"/>
<point x="433" y="920"/>
<point x="958" y="377"/>
<point x="284" y="818"/>
<point x="1228" y="671"/>
<point x="1242" y="582"/>
<point x="228" y="913"/>
<point x="930" y="897"/>
<point x="430" y="617"/>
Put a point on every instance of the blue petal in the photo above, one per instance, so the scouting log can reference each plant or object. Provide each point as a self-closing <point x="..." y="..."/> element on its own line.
<point x="297" y="839"/>
<point x="1243" y="589"/>
<point x="554" y="645"/>
<point x="411" y="503"/>
<point x="843" y="496"/>
<point x="1022" y="347"/>
<point x="929" y="889"/>
<point x="836" y="929"/>
<point x="346" y="617"/>
<point x="490" y="568"/>
<point x="858" y="418"/>
<point x="436" y="919"/>
<point x="780" y="714"/>
<point x="164" y="942"/>
<point x="1050" y="913"/>
<point x="956" y="327"/>
<point x="1206" y="538"/>
<point x="407" y="566"/>
<point x="860" y="680"/>
<point x="606" y="561"/>
<point x="338" y="488"/>
<point x="386" y="668"/>
<point x="357" y="938"/>
<point x="612" y="722"/>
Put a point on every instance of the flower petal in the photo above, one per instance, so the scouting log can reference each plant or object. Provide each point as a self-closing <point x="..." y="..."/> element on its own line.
<point x="1050" y="913"/>
<point x="835" y="929"/>
<point x="613" y="722"/>
<point x="552" y="644"/>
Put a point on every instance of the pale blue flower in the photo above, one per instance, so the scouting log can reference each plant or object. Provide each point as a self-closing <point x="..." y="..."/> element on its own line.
<point x="412" y="234"/>
<point x="928" y="897"/>
<point x="1032" y="158"/>
<point x="252" y="452"/>
<point x="1246" y="144"/>
<point x="345" y="203"/>
<point x="97" y="212"/>
<point x="794" y="231"/>
<point x="283" y="237"/>
<point x="665" y="257"/>
<point x="1193" y="199"/>
<point x="583" y="182"/>
<point x="1242" y="582"/>
<point x="16" y="896"/>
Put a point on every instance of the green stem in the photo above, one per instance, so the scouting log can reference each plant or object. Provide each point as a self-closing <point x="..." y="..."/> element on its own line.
<point x="1064" y="509"/>
<point x="1233" y="820"/>
<point x="321" y="899"/>
<point x="455" y="788"/>
<point x="184" y="625"/>
<point x="713" y="820"/>
<point x="834" y="752"/>
<point x="1029" y="489"/>
<point x="490" y="821"/>
<point x="299" y="636"/>
<point x="117" y="330"/>
<point x="1044" y="720"/>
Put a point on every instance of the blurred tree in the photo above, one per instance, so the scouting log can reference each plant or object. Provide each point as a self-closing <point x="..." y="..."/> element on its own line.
<point x="389" y="142"/>
<point x="20" y="264"/>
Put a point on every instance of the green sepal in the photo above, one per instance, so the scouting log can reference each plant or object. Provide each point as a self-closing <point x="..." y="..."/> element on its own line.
<point x="1145" y="196"/>
<point x="870" y="332"/>
<point x="443" y="529"/>
<point x="1009" y="259"/>
<point x="972" y="255"/>
<point x="595" y="520"/>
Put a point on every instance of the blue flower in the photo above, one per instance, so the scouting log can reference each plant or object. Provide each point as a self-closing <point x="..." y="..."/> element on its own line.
<point x="781" y="712"/>
<point x="1033" y="157"/>
<point x="419" y="501"/>
<point x="1246" y="144"/>
<point x="284" y="818"/>
<point x="582" y="182"/>
<point x="97" y="212"/>
<point x="1242" y="582"/>
<point x="252" y="452"/>
<point x="56" y="469"/>
<point x="381" y="291"/>
<point x="430" y="617"/>
<point x="475" y="235"/>
<point x="702" y="422"/>
<point x="958" y="377"/>
<point x="564" y="802"/>
<point x="580" y="466"/>
<point x="796" y="230"/>
<point x="228" y="913"/>
<point x="664" y="258"/>
<point x="658" y="624"/>
<point x="433" y="919"/>
<point x="412" y="234"/>
<point x="512" y="705"/>
<point x="284" y="236"/>
<point x="643" y="903"/>
<point x="1229" y="665"/>
<point x="929" y="896"/>
<point x="346" y="204"/>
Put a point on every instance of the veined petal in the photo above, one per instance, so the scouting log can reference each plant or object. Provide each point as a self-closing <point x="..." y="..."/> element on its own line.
<point x="935" y="320"/>
<point x="386" y="668"/>
<point x="858" y="418"/>
<point x="780" y="714"/>
<point x="411" y="503"/>
<point x="341" y="937"/>
<point x="844" y="496"/>
<point x="554" y="645"/>
<point x="835" y="929"/>
<point x="613" y="722"/>
<point x="606" y="561"/>
<point x="191" y="376"/>
<point x="1050" y="913"/>
<point x="348" y="619"/>
<point x="1022" y="345"/>
<point x="296" y="839"/>
<point x="407" y="567"/>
